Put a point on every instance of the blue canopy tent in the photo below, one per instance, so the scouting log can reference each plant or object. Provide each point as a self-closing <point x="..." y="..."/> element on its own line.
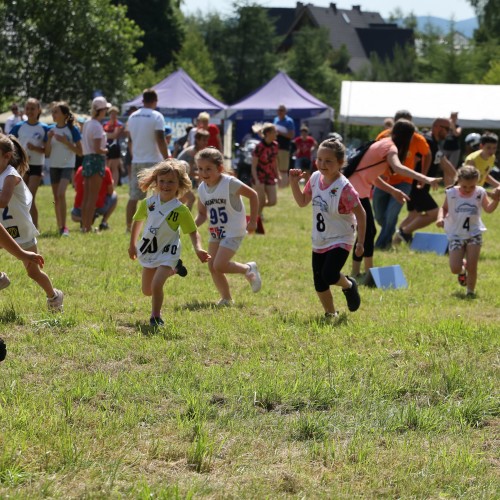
<point x="261" y="105"/>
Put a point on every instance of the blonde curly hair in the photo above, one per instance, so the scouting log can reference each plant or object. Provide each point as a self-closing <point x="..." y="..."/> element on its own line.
<point x="147" y="178"/>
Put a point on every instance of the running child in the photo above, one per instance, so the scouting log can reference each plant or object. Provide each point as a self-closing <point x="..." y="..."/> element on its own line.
<point x="337" y="211"/>
<point x="265" y="173"/>
<point x="219" y="200"/>
<point x="15" y="202"/>
<point x="460" y="216"/>
<point x="63" y="145"/>
<point x="9" y="244"/>
<point x="159" y="249"/>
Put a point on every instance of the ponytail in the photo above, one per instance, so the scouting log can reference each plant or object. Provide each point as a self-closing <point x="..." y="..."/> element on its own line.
<point x="19" y="158"/>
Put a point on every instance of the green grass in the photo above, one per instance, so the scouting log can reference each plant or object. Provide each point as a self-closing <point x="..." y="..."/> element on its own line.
<point x="265" y="399"/>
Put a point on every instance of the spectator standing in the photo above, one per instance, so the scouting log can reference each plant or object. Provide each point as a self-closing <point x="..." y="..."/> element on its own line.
<point x="285" y="128"/>
<point x="114" y="129"/>
<point x="451" y="146"/>
<point x="32" y="135"/>
<point x="305" y="146"/>
<point x="146" y="133"/>
<point x="94" y="159"/>
<point x="13" y="119"/>
<point x="63" y="144"/>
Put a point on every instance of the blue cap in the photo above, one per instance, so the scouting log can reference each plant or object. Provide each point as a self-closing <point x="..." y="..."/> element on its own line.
<point x="168" y="130"/>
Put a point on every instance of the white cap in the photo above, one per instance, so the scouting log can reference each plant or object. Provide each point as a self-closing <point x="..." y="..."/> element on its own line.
<point x="100" y="103"/>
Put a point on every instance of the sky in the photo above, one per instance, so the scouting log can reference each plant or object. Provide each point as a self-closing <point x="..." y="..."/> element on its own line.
<point x="458" y="9"/>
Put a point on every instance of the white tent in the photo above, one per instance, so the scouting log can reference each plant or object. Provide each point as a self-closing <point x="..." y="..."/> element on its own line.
<point x="368" y="103"/>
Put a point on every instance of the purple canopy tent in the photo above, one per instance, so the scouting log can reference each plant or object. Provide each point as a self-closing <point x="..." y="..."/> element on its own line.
<point x="263" y="102"/>
<point x="261" y="105"/>
<point x="180" y="96"/>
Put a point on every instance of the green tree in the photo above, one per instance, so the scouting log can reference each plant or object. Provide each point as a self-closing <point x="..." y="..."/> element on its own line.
<point x="57" y="49"/>
<point x="250" y="48"/>
<point x="309" y="63"/>
<point x="488" y="13"/>
<point x="163" y="26"/>
<point x="194" y="58"/>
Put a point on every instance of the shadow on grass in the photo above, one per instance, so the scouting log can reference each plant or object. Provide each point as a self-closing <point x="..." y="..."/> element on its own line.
<point x="294" y="319"/>
<point x="201" y="306"/>
<point x="463" y="296"/>
<point x="50" y="234"/>
<point x="167" y="332"/>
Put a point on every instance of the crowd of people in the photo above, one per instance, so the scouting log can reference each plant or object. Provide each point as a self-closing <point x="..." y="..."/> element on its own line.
<point x="399" y="167"/>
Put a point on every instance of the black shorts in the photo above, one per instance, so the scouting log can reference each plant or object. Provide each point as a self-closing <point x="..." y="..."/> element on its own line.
<point x="421" y="199"/>
<point x="114" y="151"/>
<point x="35" y="170"/>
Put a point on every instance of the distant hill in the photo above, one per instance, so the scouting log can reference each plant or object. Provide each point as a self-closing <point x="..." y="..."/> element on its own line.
<point x="466" y="27"/>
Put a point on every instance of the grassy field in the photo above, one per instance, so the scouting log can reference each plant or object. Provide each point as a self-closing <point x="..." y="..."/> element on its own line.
<point x="265" y="399"/>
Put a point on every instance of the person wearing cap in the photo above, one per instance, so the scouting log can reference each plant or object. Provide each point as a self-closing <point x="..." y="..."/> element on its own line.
<point x="13" y="119"/>
<point x="305" y="145"/>
<point x="147" y="146"/>
<point x="94" y="160"/>
<point x="285" y="128"/>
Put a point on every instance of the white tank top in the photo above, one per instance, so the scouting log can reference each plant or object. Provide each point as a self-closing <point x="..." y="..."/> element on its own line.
<point x="223" y="220"/>
<point x="329" y="227"/>
<point x="15" y="217"/>
<point x="464" y="214"/>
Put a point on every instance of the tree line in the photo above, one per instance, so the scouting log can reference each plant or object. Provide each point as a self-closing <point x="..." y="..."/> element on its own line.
<point x="70" y="49"/>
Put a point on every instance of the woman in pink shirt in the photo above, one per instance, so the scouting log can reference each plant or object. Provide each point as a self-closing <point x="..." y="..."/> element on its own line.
<point x="385" y="154"/>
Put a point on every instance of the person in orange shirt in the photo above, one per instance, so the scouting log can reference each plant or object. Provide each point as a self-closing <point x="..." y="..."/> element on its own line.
<point x="385" y="206"/>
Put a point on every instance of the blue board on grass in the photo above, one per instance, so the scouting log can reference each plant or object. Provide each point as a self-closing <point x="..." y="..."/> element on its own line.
<point x="430" y="242"/>
<point x="387" y="277"/>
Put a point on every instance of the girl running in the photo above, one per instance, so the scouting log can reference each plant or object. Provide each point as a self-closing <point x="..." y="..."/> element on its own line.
<point x="220" y="201"/>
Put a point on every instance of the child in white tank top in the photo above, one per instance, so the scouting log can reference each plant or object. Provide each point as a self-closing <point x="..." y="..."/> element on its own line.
<point x="460" y="216"/>
<point x="220" y="202"/>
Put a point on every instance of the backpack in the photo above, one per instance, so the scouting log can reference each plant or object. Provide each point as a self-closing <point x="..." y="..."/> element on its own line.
<point x="355" y="158"/>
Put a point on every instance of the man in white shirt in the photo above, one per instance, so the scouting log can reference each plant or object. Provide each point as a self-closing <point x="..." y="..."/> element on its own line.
<point x="14" y="119"/>
<point x="146" y="133"/>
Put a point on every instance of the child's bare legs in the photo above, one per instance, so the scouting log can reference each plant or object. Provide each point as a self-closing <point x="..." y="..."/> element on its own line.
<point x="37" y="275"/>
<point x="59" y="192"/>
<point x="261" y="192"/>
<point x="33" y="183"/>
<point x="92" y="186"/>
<point x="471" y="253"/>
<point x="272" y="195"/>
<point x="268" y="195"/>
<point x="153" y="281"/>
<point x="326" y="299"/>
<point x="220" y="265"/>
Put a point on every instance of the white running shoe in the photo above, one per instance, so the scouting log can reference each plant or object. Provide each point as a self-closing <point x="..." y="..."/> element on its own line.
<point x="55" y="304"/>
<point x="4" y="281"/>
<point x="253" y="277"/>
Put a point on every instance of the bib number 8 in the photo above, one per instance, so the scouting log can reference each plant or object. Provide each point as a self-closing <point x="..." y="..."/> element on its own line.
<point x="320" y="223"/>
